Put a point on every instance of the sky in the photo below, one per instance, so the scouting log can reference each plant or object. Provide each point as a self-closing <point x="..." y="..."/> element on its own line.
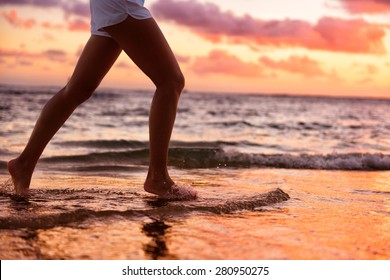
<point x="309" y="47"/>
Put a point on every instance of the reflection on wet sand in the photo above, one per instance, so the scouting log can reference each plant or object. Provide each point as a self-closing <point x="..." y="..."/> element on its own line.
<point x="157" y="247"/>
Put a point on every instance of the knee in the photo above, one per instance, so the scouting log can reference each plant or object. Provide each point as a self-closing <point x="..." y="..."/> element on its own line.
<point x="179" y="82"/>
<point x="175" y="82"/>
<point x="78" y="95"/>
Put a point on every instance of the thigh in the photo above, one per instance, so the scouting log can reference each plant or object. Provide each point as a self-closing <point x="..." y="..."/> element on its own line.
<point x="144" y="43"/>
<point x="95" y="61"/>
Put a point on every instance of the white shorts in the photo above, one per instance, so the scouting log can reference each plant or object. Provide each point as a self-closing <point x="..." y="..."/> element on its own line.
<point x="110" y="12"/>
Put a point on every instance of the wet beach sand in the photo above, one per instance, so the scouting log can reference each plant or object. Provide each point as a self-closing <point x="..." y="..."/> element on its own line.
<point x="328" y="215"/>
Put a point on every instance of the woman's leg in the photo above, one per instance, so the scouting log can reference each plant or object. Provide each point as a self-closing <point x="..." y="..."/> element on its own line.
<point x="145" y="44"/>
<point x="96" y="59"/>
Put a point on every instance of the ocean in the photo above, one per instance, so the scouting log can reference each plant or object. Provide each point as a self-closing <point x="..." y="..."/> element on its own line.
<point x="278" y="177"/>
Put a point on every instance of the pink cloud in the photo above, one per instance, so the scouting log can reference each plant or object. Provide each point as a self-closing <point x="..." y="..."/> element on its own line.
<point x="78" y="25"/>
<point x="16" y="53"/>
<point x="355" y="36"/>
<point x="329" y="34"/>
<point x="13" y="18"/>
<point x="367" y="6"/>
<point x="51" y="54"/>
<point x="221" y="62"/>
<point x="71" y="9"/>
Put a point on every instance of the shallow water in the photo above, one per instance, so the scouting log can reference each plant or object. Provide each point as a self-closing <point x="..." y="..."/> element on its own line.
<point x="330" y="215"/>
<point x="109" y="133"/>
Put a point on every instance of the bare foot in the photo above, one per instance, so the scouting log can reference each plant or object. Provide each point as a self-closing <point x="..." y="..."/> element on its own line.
<point x="169" y="190"/>
<point x="182" y="192"/>
<point x="21" y="177"/>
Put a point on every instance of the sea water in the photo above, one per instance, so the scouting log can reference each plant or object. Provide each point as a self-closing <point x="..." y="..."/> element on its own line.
<point x="278" y="177"/>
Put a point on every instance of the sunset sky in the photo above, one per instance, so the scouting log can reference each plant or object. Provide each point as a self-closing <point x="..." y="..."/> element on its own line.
<point x="319" y="47"/>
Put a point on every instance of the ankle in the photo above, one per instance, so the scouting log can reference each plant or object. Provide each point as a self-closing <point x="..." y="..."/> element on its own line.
<point x="162" y="181"/>
<point x="21" y="163"/>
<point x="157" y="174"/>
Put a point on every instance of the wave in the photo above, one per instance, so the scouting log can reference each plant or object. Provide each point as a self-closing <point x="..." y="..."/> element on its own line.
<point x="202" y="157"/>
<point x="350" y="161"/>
<point x="49" y="208"/>
<point x="104" y="144"/>
<point x="126" y="156"/>
<point x="132" y="144"/>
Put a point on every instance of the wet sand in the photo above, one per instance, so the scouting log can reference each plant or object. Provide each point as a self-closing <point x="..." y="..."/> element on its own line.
<point x="330" y="215"/>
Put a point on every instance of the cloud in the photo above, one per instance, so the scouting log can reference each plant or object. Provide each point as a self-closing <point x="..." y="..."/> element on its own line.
<point x="40" y="3"/>
<point x="221" y="62"/>
<point x="78" y="25"/>
<point x="55" y="55"/>
<point x="70" y="7"/>
<point x="298" y="65"/>
<point x="15" y="53"/>
<point x="23" y="55"/>
<point x="329" y="34"/>
<point x="224" y="63"/>
<point x="25" y="63"/>
<point x="72" y="23"/>
<point x="13" y="19"/>
<point x="365" y="69"/>
<point x="76" y="8"/>
<point x="50" y="25"/>
<point x="295" y="64"/>
<point x="356" y="36"/>
<point x="366" y="6"/>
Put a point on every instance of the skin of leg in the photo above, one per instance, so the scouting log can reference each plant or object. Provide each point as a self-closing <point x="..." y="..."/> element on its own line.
<point x="98" y="56"/>
<point x="144" y="43"/>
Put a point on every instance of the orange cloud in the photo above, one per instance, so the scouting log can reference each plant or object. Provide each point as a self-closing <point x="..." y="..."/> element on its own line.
<point x="72" y="25"/>
<point x="295" y="64"/>
<point x="367" y="6"/>
<point x="365" y="69"/>
<point x="13" y="18"/>
<point x="221" y="62"/>
<point x="50" y="25"/>
<point x="329" y="34"/>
